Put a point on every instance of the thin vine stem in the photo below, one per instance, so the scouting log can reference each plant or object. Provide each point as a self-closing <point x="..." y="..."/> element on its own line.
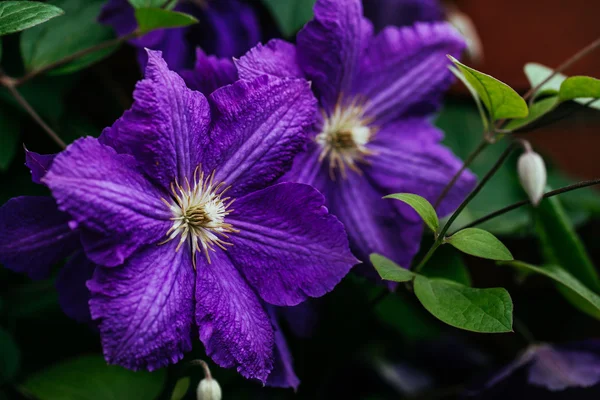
<point x="522" y="203"/>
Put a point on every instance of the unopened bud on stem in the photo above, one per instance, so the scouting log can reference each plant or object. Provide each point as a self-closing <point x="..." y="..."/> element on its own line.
<point x="209" y="388"/>
<point x="532" y="174"/>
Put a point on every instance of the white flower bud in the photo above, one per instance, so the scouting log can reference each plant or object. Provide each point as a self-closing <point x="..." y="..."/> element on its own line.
<point x="532" y="174"/>
<point x="208" y="389"/>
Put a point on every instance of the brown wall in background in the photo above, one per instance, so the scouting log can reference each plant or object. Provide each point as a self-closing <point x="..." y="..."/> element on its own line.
<point x="515" y="32"/>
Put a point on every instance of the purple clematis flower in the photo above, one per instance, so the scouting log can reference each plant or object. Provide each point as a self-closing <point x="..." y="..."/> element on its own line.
<point x="374" y="136"/>
<point x="551" y="368"/>
<point x="226" y="28"/>
<point x="178" y="204"/>
<point x="383" y="13"/>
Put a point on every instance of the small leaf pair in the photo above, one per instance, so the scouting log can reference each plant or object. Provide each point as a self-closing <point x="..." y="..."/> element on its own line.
<point x="477" y="310"/>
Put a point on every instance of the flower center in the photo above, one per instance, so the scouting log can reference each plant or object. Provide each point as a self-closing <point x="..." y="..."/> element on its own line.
<point x="199" y="210"/>
<point x="344" y="138"/>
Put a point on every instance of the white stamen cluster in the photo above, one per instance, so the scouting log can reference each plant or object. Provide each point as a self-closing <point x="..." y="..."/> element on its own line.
<point x="199" y="212"/>
<point x="344" y="138"/>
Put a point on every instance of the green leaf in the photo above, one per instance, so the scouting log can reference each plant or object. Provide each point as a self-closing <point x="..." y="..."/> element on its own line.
<point x="11" y="357"/>
<point x="477" y="310"/>
<point x="9" y="137"/>
<point x="181" y="388"/>
<point x="567" y="282"/>
<point x="480" y="243"/>
<point x="89" y="378"/>
<point x="501" y="100"/>
<point x="389" y="270"/>
<point x="157" y="18"/>
<point x="536" y="111"/>
<point x="447" y="263"/>
<point x="153" y="3"/>
<point x="421" y="206"/>
<point x="290" y="15"/>
<point x="577" y="87"/>
<point x="16" y="16"/>
<point x="77" y="30"/>
<point x="463" y="79"/>
<point x="537" y="73"/>
<point x="561" y="244"/>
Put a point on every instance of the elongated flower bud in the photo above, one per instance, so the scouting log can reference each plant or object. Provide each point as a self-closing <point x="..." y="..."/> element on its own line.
<point x="532" y="174"/>
<point x="208" y="389"/>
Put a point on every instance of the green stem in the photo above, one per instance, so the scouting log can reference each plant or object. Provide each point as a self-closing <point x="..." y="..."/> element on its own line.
<point x="427" y="256"/>
<point x="468" y="161"/>
<point x="522" y="203"/>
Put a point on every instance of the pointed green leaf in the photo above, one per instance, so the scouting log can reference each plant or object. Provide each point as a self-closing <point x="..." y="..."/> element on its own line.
<point x="477" y="310"/>
<point x="536" y="111"/>
<point x="480" y="243"/>
<point x="561" y="244"/>
<point x="290" y="15"/>
<point x="577" y="87"/>
<point x="90" y="378"/>
<point x="157" y="18"/>
<point x="537" y="73"/>
<point x="421" y="206"/>
<point x="389" y="270"/>
<point x="463" y="79"/>
<point x="501" y="100"/>
<point x="16" y="16"/>
<point x="181" y="388"/>
<point x="75" y="31"/>
<point x="447" y="263"/>
<point x="153" y="3"/>
<point x="567" y="282"/>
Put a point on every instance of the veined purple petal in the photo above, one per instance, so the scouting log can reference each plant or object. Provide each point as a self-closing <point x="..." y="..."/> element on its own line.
<point x="289" y="247"/>
<point x="145" y="307"/>
<point x="283" y="374"/>
<point x="559" y="369"/>
<point x="34" y="235"/>
<point x="258" y="127"/>
<point x="402" y="12"/>
<point x="165" y="128"/>
<point x="107" y="194"/>
<point x="38" y="164"/>
<point x="308" y="169"/>
<point x="277" y="58"/>
<point x="330" y="46"/>
<point x="374" y="225"/>
<point x="409" y="158"/>
<point x="406" y="69"/>
<point x="209" y="73"/>
<point x="233" y="325"/>
<point x="73" y="294"/>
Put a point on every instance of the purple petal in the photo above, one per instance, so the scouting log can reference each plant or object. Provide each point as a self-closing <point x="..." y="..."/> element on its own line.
<point x="232" y="323"/>
<point x="258" y="128"/>
<point x="145" y="307"/>
<point x="374" y="225"/>
<point x="408" y="158"/>
<point x="73" y="294"/>
<point x="107" y="194"/>
<point x="209" y="73"/>
<point x="402" y="12"/>
<point x="165" y="127"/>
<point x="34" y="235"/>
<point x="330" y="46"/>
<point x="38" y="164"/>
<point x="557" y="369"/>
<point x="277" y="58"/>
<point x="508" y="370"/>
<point x="406" y="70"/>
<point x="283" y="375"/>
<point x="289" y="247"/>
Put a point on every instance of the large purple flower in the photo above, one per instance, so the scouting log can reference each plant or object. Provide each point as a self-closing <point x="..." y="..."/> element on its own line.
<point x="226" y="28"/>
<point x="178" y="204"/>
<point x="374" y="136"/>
